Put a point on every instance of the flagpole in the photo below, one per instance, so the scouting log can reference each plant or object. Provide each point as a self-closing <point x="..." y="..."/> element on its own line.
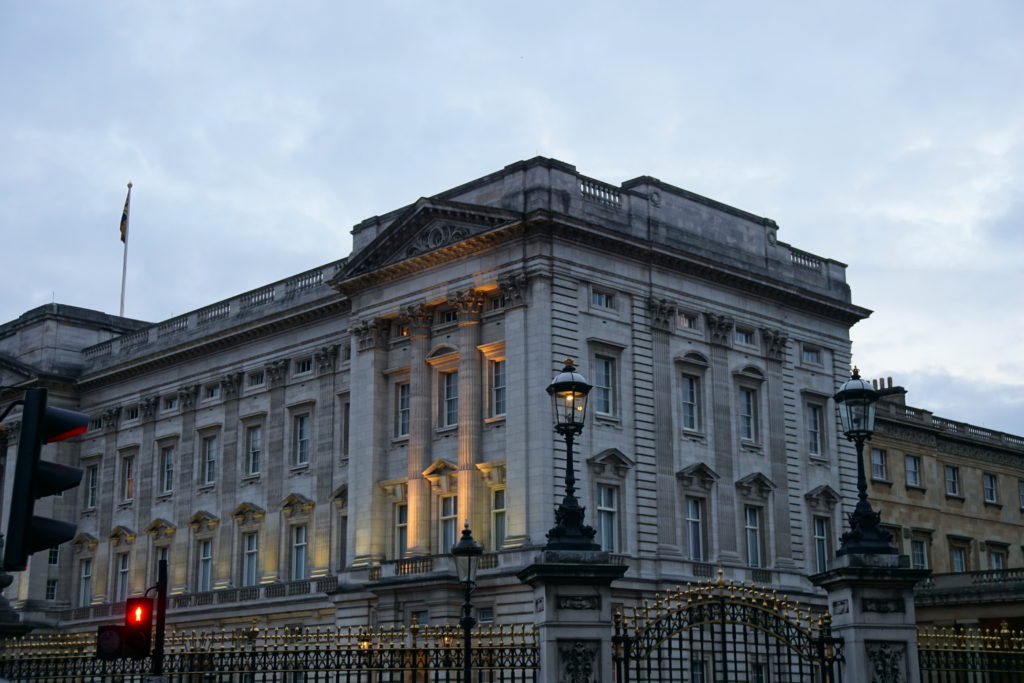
<point x="124" y="238"/>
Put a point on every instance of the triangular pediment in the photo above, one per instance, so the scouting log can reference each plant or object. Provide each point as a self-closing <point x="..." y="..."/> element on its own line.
<point x="121" y="535"/>
<point x="441" y="475"/>
<point x="822" y="497"/>
<point x="160" y="528"/>
<point x="247" y="513"/>
<point x="296" y="504"/>
<point x="697" y="477"/>
<point x="611" y="461"/>
<point x="84" y="542"/>
<point x="203" y="521"/>
<point x="755" y="486"/>
<point x="426" y="230"/>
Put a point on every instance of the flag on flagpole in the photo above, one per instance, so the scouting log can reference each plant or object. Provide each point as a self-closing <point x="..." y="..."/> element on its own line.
<point x="124" y="215"/>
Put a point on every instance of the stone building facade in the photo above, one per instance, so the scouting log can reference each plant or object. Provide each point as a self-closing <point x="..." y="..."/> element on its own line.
<point x="952" y="494"/>
<point x="307" y="451"/>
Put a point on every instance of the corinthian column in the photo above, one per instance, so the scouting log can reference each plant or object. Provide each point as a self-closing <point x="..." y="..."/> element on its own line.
<point x="469" y="304"/>
<point x="420" y="429"/>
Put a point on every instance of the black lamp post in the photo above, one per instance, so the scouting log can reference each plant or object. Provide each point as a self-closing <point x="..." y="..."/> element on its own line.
<point x="569" y="400"/>
<point x="467" y="554"/>
<point x="856" y="403"/>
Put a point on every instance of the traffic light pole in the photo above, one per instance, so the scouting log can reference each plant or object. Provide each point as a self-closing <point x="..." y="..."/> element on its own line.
<point x="161" y="618"/>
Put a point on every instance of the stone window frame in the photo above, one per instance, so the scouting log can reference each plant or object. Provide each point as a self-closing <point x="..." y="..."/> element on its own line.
<point x="296" y="510"/>
<point x="203" y="436"/>
<point x="127" y="475"/>
<point x="173" y="442"/>
<point x="494" y="475"/>
<point x="750" y="378"/>
<point x="84" y="546"/>
<point x="695" y="366"/>
<point x="606" y="350"/>
<point x="956" y="490"/>
<point x="493" y="353"/>
<point x="884" y="475"/>
<point x="688" y="322"/>
<point x="397" y="493"/>
<point x="204" y="528"/>
<point x="999" y="548"/>
<point x="698" y="481"/>
<point x="919" y="484"/>
<point x="443" y="360"/>
<point x="994" y="500"/>
<point x="92" y="486"/>
<point x="249" y="422"/>
<point x="613" y="469"/>
<point x="923" y="536"/>
<point x="812" y="400"/>
<point x="161" y="534"/>
<point x="966" y="546"/>
<point x="756" y="490"/>
<point x="307" y="409"/>
<point x="249" y="519"/>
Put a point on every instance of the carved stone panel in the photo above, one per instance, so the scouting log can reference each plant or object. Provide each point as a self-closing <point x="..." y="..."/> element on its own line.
<point x="663" y="313"/>
<point x="720" y="327"/>
<point x="888" y="661"/>
<point x="513" y="286"/>
<point x="577" y="661"/>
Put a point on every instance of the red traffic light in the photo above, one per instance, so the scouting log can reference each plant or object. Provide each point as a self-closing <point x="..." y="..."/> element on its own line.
<point x="59" y="424"/>
<point x="138" y="613"/>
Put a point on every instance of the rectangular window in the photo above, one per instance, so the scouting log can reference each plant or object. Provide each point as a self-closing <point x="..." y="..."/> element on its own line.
<point x="698" y="671"/>
<point x="990" y="487"/>
<point x="815" y="443"/>
<point x="604" y="385"/>
<point x="253" y="449"/>
<point x="449" y="315"/>
<point x="601" y="299"/>
<point x="809" y="354"/>
<point x="401" y="529"/>
<point x="952" y="480"/>
<point x="744" y="336"/>
<point x="51" y="589"/>
<point x="257" y="379"/>
<point x="127" y="477"/>
<point x="686" y="321"/>
<point x="748" y="414"/>
<point x="822" y="543"/>
<point x="752" y="530"/>
<point x="170" y="403"/>
<point x="1020" y="493"/>
<point x="607" y="518"/>
<point x="53" y="557"/>
<point x="303" y="365"/>
<point x="919" y="553"/>
<point x="696" y="534"/>
<point x="212" y="391"/>
<point x="912" y="466"/>
<point x="300" y="439"/>
<point x="450" y="399"/>
<point x="691" y="403"/>
<point x="209" y="454"/>
<point x="250" y="557"/>
<point x="497" y="388"/>
<point x="449" y="527"/>
<point x="402" y="408"/>
<point x="498" y="518"/>
<point x="204" y="566"/>
<point x="996" y="558"/>
<point x="879" y="464"/>
<point x="131" y="413"/>
<point x="958" y="558"/>
<point x="121" y="583"/>
<point x="84" y="583"/>
<point x="758" y="672"/>
<point x="345" y="410"/>
<point x="166" y="469"/>
<point x="485" y="615"/>
<point x="300" y="542"/>
<point x="92" y="485"/>
<point x="496" y="303"/>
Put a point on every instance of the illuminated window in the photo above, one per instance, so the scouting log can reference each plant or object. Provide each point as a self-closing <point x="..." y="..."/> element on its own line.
<point x="127" y="477"/>
<point x="687" y="321"/>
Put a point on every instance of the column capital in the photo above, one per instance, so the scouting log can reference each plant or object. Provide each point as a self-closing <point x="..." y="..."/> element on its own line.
<point x="774" y="343"/>
<point x="369" y="333"/>
<point x="513" y="286"/>
<point x="719" y="326"/>
<point x="418" y="317"/>
<point x="469" y="303"/>
<point x="663" y="313"/>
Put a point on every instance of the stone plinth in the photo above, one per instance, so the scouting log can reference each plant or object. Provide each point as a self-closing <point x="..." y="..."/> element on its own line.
<point x="871" y="598"/>
<point x="572" y="601"/>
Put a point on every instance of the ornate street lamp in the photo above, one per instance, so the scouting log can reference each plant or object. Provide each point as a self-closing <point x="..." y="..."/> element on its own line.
<point x="856" y="404"/>
<point x="467" y="554"/>
<point x="569" y="401"/>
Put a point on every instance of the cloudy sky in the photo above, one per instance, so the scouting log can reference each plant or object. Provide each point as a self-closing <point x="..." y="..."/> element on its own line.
<point x="887" y="135"/>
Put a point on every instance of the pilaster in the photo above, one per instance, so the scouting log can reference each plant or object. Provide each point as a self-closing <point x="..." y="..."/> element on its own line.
<point x="419" y="318"/>
<point x="469" y="304"/>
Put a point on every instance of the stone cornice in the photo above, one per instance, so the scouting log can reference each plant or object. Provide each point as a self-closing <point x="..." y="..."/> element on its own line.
<point x="160" y="358"/>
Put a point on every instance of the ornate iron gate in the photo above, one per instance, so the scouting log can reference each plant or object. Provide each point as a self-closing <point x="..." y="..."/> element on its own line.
<point x="725" y="632"/>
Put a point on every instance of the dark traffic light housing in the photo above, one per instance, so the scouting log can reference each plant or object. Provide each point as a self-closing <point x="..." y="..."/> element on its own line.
<point x="35" y="478"/>
<point x="132" y="640"/>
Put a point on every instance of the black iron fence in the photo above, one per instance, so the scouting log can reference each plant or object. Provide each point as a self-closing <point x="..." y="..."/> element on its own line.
<point x="249" y="655"/>
<point x="965" y="655"/>
<point x="724" y="632"/>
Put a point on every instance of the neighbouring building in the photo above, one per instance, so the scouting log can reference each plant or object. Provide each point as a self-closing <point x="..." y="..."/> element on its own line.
<point x="307" y="452"/>
<point x="952" y="494"/>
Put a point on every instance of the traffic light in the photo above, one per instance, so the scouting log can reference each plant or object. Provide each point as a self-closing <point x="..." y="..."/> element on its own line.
<point x="132" y="639"/>
<point x="35" y="478"/>
<point x="138" y="627"/>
